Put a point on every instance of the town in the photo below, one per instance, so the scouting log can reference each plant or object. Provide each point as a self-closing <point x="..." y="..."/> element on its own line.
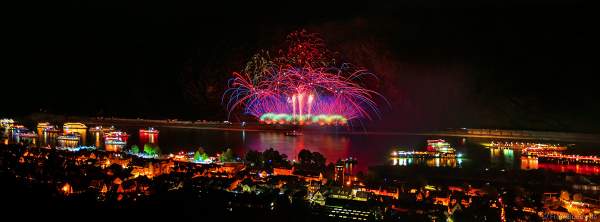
<point x="267" y="183"/>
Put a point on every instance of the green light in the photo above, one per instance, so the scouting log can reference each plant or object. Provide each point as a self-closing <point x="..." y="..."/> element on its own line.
<point x="321" y="119"/>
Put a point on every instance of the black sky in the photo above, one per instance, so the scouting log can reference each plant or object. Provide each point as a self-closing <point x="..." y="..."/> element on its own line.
<point x="501" y="65"/>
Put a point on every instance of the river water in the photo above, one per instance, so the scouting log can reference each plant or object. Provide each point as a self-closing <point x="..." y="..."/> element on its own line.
<point x="368" y="149"/>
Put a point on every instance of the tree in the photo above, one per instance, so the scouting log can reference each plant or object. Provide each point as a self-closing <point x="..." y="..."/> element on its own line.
<point x="135" y="149"/>
<point x="313" y="162"/>
<point x="227" y="156"/>
<point x="150" y="149"/>
<point x="318" y="160"/>
<point x="272" y="156"/>
<point x="197" y="156"/>
<point x="200" y="155"/>
<point x="305" y="156"/>
<point x="254" y="157"/>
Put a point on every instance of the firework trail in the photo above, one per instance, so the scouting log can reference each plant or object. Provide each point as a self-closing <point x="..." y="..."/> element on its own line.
<point x="301" y="86"/>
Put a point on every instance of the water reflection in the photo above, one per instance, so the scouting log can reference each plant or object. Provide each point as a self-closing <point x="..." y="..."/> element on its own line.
<point x="333" y="147"/>
<point x="369" y="150"/>
<point x="68" y="142"/>
<point x="532" y="163"/>
<point x="114" y="147"/>
<point x="151" y="138"/>
<point x="48" y="139"/>
<point x="503" y="158"/>
<point x="97" y="137"/>
<point x="509" y="156"/>
<point x="529" y="163"/>
<point x="24" y="140"/>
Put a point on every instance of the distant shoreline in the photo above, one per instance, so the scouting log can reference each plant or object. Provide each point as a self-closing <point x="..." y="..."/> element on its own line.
<point x="256" y="127"/>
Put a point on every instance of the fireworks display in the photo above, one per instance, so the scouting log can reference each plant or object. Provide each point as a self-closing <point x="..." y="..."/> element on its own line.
<point x="301" y="86"/>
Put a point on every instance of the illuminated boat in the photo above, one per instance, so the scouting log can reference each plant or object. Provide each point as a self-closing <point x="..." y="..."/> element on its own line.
<point x="29" y="134"/>
<point x="6" y="123"/>
<point x="440" y="146"/>
<point x="411" y="154"/>
<point x="542" y="149"/>
<point x="74" y="127"/>
<point x="116" y="138"/>
<point x="17" y="128"/>
<point x="523" y="146"/>
<point x="24" y="132"/>
<point x="435" y="149"/>
<point x="45" y="127"/>
<point x="293" y="133"/>
<point x="51" y="129"/>
<point x="101" y="129"/>
<point x="149" y="130"/>
<point x="68" y="137"/>
<point x="68" y="140"/>
<point x="115" y="142"/>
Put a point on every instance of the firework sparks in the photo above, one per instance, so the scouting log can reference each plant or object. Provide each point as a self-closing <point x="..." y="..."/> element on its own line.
<point x="302" y="87"/>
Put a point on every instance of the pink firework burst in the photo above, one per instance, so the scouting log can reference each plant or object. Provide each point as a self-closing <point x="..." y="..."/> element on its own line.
<point x="303" y="86"/>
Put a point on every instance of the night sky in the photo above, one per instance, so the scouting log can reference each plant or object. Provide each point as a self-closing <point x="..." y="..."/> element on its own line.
<point x="495" y="65"/>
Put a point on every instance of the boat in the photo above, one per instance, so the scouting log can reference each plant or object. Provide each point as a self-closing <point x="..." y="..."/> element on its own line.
<point x="435" y="149"/>
<point x="68" y="140"/>
<point x="6" y="123"/>
<point x="68" y="137"/>
<point x="45" y="127"/>
<point x="116" y="138"/>
<point x="440" y="146"/>
<point x="75" y="128"/>
<point x="22" y="131"/>
<point x="294" y="133"/>
<point x="149" y="130"/>
<point x="115" y="142"/>
<point x="101" y="129"/>
<point x="526" y="146"/>
<point x="51" y="129"/>
<point x="29" y="134"/>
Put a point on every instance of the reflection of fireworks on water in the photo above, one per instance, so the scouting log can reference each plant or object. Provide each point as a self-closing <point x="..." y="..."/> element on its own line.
<point x="301" y="91"/>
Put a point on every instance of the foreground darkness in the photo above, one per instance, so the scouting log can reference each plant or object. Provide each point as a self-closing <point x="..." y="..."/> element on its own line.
<point x="515" y="66"/>
<point x="53" y="183"/>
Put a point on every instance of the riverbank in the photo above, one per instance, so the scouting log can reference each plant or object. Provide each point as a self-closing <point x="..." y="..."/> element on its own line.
<point x="255" y="126"/>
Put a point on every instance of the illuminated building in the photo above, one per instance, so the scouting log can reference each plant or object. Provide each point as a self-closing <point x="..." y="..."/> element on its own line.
<point x="339" y="173"/>
<point x="153" y="169"/>
<point x="282" y="172"/>
<point x="316" y="198"/>
<point x="383" y="192"/>
<point x="67" y="189"/>
<point x="347" y="205"/>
